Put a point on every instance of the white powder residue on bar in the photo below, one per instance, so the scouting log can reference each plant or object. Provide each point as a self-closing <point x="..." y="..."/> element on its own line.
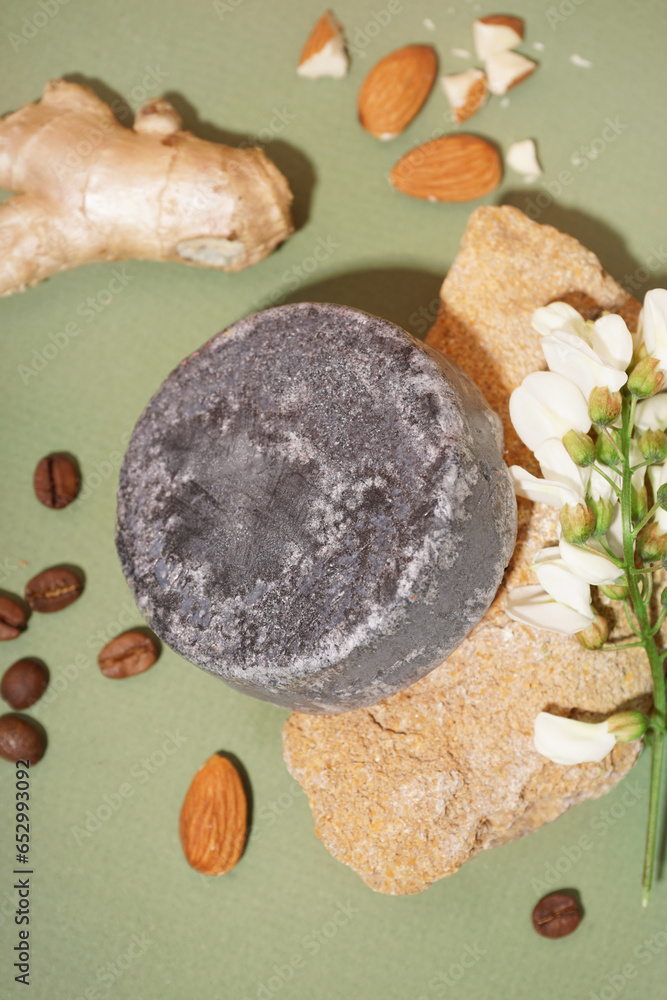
<point x="538" y="46"/>
<point x="428" y="24"/>
<point x="461" y="53"/>
<point x="580" y="61"/>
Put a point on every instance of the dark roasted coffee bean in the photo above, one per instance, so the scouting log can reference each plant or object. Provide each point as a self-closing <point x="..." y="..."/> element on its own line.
<point x="12" y="618"/>
<point x="56" y="481"/>
<point x="127" y="655"/>
<point x="53" y="590"/>
<point x="556" y="915"/>
<point x="21" y="738"/>
<point x="24" y="683"/>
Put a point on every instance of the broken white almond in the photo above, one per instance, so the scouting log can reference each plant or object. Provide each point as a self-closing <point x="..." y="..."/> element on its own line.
<point x="324" y="53"/>
<point x="506" y="69"/>
<point x="466" y="92"/>
<point x="580" y="61"/>
<point x="496" y="33"/>
<point x="522" y="157"/>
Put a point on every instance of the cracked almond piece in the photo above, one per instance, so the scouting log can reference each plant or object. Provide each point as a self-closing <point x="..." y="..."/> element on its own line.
<point x="395" y="90"/>
<point x="452" y="168"/>
<point x="522" y="157"/>
<point x="466" y="92"/>
<point x="214" y="818"/>
<point x="496" y="33"/>
<point x="506" y="69"/>
<point x="324" y="52"/>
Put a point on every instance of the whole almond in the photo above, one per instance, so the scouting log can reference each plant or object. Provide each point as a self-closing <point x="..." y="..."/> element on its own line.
<point x="457" y="167"/>
<point x="395" y="89"/>
<point x="214" y="818"/>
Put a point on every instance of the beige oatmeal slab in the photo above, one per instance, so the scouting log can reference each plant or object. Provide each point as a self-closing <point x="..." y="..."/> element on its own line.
<point x="407" y="791"/>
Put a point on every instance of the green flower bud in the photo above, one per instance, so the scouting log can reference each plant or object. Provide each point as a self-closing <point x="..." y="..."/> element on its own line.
<point x="627" y="726"/>
<point x="606" y="453"/>
<point x="578" y="523"/>
<point x="639" y="503"/>
<point x="604" y="515"/>
<point x="580" y="447"/>
<point x="645" y="378"/>
<point x="604" y="406"/>
<point x="663" y="598"/>
<point x="614" y="591"/>
<point x="653" y="446"/>
<point x="651" y="543"/>
<point x="661" y="496"/>
<point x="595" y="634"/>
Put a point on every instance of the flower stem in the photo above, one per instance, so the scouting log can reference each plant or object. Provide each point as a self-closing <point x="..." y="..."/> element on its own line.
<point x="638" y="527"/>
<point x="611" y="482"/>
<point x="653" y="805"/>
<point x="661" y="618"/>
<point x="626" y="645"/>
<point x="648" y="641"/>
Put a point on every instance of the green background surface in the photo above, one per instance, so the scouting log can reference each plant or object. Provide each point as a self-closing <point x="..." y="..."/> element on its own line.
<point x="117" y="912"/>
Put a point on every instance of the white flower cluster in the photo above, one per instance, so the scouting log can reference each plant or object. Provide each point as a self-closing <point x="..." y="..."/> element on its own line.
<point x="585" y="360"/>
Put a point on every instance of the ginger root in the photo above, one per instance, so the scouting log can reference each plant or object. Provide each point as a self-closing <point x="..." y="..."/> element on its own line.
<point x="90" y="189"/>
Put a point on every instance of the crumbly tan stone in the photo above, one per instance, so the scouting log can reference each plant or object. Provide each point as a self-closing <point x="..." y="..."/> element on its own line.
<point x="407" y="791"/>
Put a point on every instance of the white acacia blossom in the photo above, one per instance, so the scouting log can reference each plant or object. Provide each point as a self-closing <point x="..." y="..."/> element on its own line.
<point x="588" y="354"/>
<point x="593" y="567"/>
<point x="581" y="356"/>
<point x="533" y="606"/>
<point x="556" y="464"/>
<point x="568" y="741"/>
<point x="653" y="325"/>
<point x="563" y="482"/>
<point x="542" y="490"/>
<point x="547" y="405"/>
<point x="658" y="476"/>
<point x="652" y="413"/>
<point x="562" y="602"/>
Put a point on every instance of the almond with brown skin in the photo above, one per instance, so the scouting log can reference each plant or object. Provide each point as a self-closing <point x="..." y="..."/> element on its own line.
<point x="395" y="89"/>
<point x="456" y="167"/>
<point x="214" y="818"/>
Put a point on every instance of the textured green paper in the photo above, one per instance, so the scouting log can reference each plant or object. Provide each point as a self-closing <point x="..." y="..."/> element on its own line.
<point x="289" y="921"/>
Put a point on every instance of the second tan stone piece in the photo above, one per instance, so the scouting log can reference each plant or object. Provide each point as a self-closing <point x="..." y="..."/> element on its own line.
<point x="408" y="790"/>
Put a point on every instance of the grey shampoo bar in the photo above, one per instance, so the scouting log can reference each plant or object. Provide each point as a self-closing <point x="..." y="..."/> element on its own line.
<point x="314" y="507"/>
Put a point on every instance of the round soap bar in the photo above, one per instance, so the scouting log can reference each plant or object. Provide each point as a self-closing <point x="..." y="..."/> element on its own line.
<point x="315" y="508"/>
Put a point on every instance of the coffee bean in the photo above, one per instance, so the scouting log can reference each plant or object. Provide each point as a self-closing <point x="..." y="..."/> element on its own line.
<point x="53" y="590"/>
<point x="56" y="481"/>
<point x="556" y="915"/>
<point x="127" y="655"/>
<point x="24" y="683"/>
<point x="12" y="618"/>
<point x="21" y="738"/>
